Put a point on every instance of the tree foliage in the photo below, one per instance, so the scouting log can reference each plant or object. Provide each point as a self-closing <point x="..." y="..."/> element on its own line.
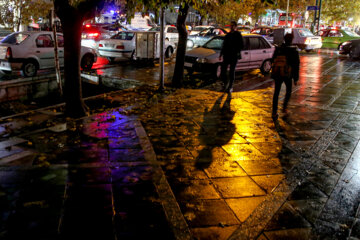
<point x="16" y="12"/>
<point x="338" y="10"/>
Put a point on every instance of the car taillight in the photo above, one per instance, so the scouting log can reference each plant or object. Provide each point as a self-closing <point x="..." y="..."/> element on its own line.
<point x="119" y="47"/>
<point x="100" y="45"/>
<point x="8" y="53"/>
<point x="93" y="35"/>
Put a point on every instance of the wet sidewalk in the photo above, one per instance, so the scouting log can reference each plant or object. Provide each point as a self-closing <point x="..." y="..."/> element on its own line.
<point x="191" y="164"/>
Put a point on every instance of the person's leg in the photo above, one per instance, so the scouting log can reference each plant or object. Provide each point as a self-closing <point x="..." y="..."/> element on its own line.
<point x="278" y="83"/>
<point x="288" y="83"/>
<point x="224" y="65"/>
<point x="232" y="73"/>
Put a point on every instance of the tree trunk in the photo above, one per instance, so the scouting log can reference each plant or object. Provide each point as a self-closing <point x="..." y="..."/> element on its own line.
<point x="72" y="21"/>
<point x="177" y="80"/>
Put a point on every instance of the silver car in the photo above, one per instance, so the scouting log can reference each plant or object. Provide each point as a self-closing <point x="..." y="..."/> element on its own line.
<point x="202" y="37"/>
<point x="257" y="54"/>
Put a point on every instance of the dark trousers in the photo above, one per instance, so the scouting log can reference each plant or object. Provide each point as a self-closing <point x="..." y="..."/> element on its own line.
<point x="278" y="83"/>
<point x="224" y="65"/>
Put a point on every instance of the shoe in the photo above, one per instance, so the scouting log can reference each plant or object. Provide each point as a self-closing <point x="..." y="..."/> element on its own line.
<point x="275" y="117"/>
<point x="229" y="90"/>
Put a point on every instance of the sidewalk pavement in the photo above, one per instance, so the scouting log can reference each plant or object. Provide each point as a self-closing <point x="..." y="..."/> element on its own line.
<point x="188" y="164"/>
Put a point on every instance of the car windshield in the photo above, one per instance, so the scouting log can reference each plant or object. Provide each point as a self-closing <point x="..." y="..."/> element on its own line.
<point x="215" y="43"/>
<point x="199" y="28"/>
<point x="15" y="38"/>
<point x="156" y="29"/>
<point x="351" y="34"/>
<point x="124" y="36"/>
<point x="305" y="33"/>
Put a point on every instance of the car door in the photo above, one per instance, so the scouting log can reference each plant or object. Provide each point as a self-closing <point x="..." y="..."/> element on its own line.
<point x="60" y="40"/>
<point x="45" y="50"/>
<point x="259" y="51"/>
<point x="172" y="34"/>
<point x="243" y="63"/>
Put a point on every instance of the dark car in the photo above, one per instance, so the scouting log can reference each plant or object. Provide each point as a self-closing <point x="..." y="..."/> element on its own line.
<point x="351" y="47"/>
<point x="266" y="32"/>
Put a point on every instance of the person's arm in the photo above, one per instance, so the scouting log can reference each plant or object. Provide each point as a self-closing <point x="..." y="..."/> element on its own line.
<point x="241" y="43"/>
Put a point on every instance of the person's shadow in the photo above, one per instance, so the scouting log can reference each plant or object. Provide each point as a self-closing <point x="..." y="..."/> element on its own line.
<point x="216" y="130"/>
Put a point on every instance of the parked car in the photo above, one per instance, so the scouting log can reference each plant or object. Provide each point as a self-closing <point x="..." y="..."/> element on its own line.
<point x="243" y="29"/>
<point x="4" y="32"/>
<point x="30" y="51"/>
<point x="140" y="23"/>
<point x="331" y="38"/>
<point x="122" y="45"/>
<point x="93" y="33"/>
<point x="202" y="37"/>
<point x="200" y="28"/>
<point x="266" y="32"/>
<point x="171" y="32"/>
<point x="351" y="47"/>
<point x="257" y="53"/>
<point x="304" y="39"/>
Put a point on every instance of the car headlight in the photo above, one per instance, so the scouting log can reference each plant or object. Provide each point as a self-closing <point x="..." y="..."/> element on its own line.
<point x="346" y="43"/>
<point x="202" y="60"/>
<point x="189" y="44"/>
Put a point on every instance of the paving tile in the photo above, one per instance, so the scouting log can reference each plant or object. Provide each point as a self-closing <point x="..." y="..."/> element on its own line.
<point x="289" y="234"/>
<point x="237" y="187"/>
<point x="310" y="209"/>
<point x="324" y="178"/>
<point x="213" y="233"/>
<point x="224" y="168"/>
<point x="286" y="218"/>
<point x="242" y="151"/>
<point x="331" y="230"/>
<point x="184" y="170"/>
<point x="254" y="167"/>
<point x="208" y="213"/>
<point x="243" y="207"/>
<point x="355" y="230"/>
<point x="193" y="189"/>
<point x="307" y="190"/>
<point x="268" y="182"/>
<point x="345" y="141"/>
<point x="132" y="174"/>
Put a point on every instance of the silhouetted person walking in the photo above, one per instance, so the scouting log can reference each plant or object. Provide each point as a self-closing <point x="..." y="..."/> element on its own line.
<point x="230" y="53"/>
<point x="286" y="63"/>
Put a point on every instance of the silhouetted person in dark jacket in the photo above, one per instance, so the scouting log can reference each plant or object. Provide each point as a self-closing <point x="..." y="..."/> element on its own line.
<point x="230" y="53"/>
<point x="293" y="60"/>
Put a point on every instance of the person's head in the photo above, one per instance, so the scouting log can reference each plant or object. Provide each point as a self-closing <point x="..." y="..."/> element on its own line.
<point x="233" y="25"/>
<point x="288" y="39"/>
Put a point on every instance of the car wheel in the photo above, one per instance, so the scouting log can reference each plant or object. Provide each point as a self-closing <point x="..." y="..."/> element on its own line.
<point x="266" y="67"/>
<point x="111" y="59"/>
<point x="169" y="52"/>
<point x="133" y="57"/>
<point x="29" y="68"/>
<point x="87" y="62"/>
<point x="353" y="54"/>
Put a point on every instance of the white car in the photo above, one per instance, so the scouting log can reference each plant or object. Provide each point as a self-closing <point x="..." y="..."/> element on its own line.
<point x="30" y="51"/>
<point x="198" y="29"/>
<point x="122" y="45"/>
<point x="171" y="33"/>
<point x="257" y="53"/>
